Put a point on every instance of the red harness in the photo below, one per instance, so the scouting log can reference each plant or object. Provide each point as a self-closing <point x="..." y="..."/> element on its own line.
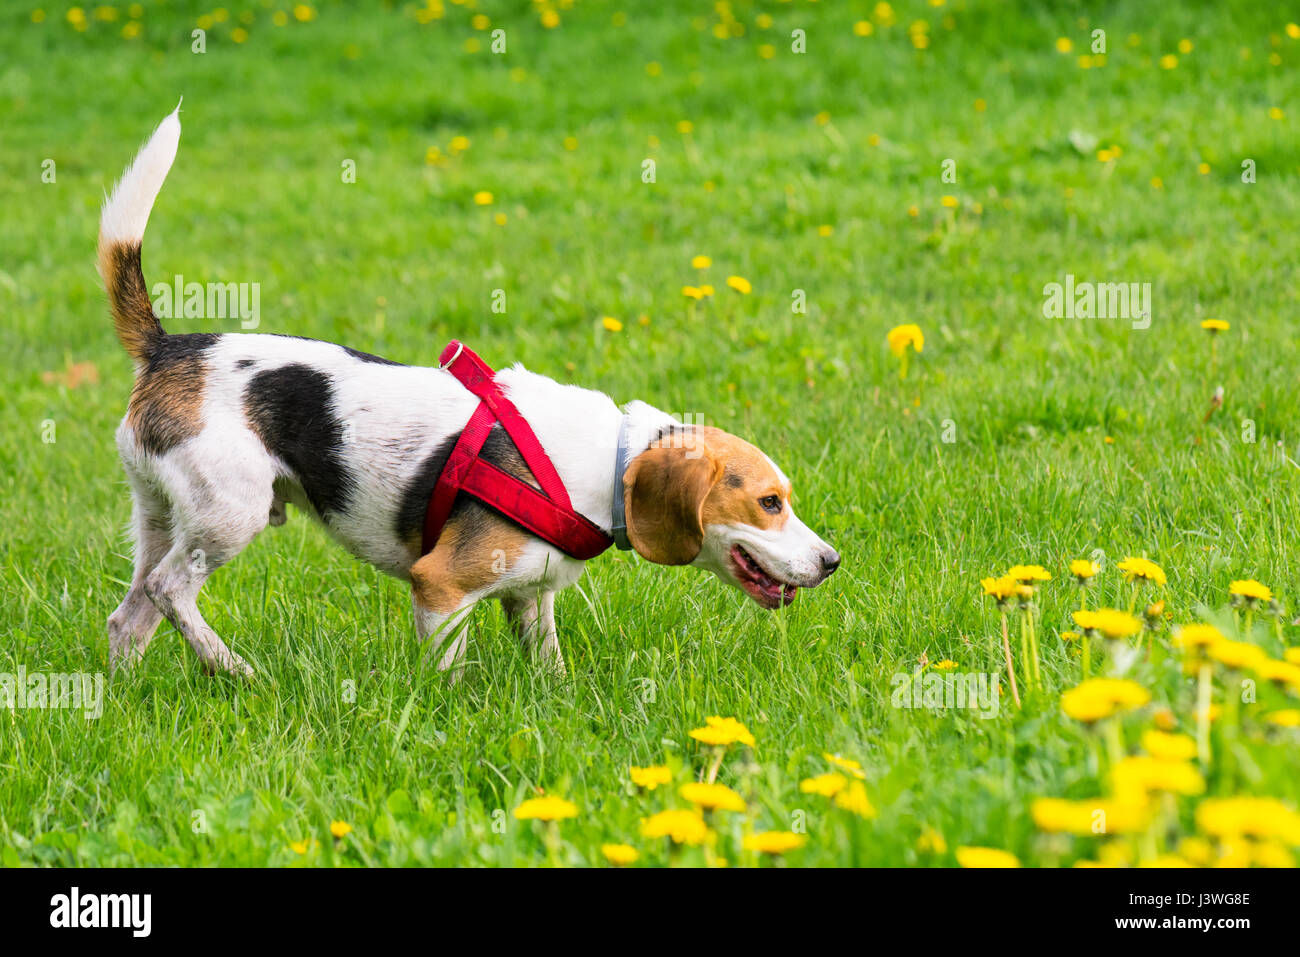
<point x="548" y="514"/>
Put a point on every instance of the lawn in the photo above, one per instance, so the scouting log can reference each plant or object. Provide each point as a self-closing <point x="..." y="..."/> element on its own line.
<point x="380" y="174"/>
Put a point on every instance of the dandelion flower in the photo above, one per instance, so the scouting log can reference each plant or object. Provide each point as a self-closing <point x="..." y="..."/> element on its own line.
<point x="1029" y="573"/>
<point x="712" y="797"/>
<point x="612" y="324"/>
<point x="775" y="842"/>
<point x="722" y="731"/>
<point x="340" y="828"/>
<point x="482" y="198"/>
<point x="1197" y="637"/>
<point x="854" y="800"/>
<point x="983" y="857"/>
<point x="1063" y="45"/>
<point x="900" y="337"/>
<point x="1250" y="590"/>
<point x="1082" y="569"/>
<point x="1109" y="623"/>
<point x="825" y="785"/>
<point x="852" y="767"/>
<point x="740" y="284"/>
<point x="931" y="842"/>
<point x="651" y="777"/>
<point x="546" y="809"/>
<point x="1214" y="325"/>
<point x="1143" y="569"/>
<point x="1263" y="818"/>
<point x="1236" y="654"/>
<point x="1095" y="816"/>
<point x="1140" y="775"/>
<point x="620" y="855"/>
<point x="701" y="262"/>
<point x="683" y="827"/>
<point x="692" y="292"/>
<point x="1286" y="718"/>
<point x="1168" y="747"/>
<point x="1099" y="698"/>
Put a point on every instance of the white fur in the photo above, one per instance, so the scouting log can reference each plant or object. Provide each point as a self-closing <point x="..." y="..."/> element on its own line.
<point x="126" y="212"/>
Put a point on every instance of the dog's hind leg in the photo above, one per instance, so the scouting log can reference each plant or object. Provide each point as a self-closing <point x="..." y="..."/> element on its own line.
<point x="221" y="500"/>
<point x="132" y="625"/>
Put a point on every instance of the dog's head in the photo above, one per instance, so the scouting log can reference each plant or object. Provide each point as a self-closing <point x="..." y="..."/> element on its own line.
<point x="700" y="496"/>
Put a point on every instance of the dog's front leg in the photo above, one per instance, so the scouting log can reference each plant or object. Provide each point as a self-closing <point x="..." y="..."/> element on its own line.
<point x="447" y="632"/>
<point x="533" y="619"/>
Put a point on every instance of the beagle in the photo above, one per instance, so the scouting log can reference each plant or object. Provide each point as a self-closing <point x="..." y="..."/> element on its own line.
<point x="223" y="431"/>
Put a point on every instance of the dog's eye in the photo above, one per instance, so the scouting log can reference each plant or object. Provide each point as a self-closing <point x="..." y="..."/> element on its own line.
<point x="770" y="503"/>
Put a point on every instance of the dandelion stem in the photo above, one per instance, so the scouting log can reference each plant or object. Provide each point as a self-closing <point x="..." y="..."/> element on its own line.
<point x="1024" y="657"/>
<point x="717" y="763"/>
<point x="1011" y="671"/>
<point x="1033" y="647"/>
<point x="1203" y="714"/>
<point x="1087" y="656"/>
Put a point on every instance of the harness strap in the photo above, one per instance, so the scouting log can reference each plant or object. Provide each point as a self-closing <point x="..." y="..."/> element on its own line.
<point x="548" y="514"/>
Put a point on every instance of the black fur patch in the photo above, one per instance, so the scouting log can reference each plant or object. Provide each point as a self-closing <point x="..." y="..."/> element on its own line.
<point x="471" y="514"/>
<point x="243" y="363"/>
<point x="354" y="353"/>
<point x="733" y="480"/>
<point x="290" y="409"/>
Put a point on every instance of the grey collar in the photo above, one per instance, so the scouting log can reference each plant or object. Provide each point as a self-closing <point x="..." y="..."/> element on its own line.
<point x="619" y="529"/>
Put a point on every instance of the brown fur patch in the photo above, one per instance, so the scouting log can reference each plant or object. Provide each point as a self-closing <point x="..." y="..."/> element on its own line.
<point x="166" y="403"/>
<point x="469" y="557"/>
<point x="128" y="297"/>
<point x="749" y="478"/>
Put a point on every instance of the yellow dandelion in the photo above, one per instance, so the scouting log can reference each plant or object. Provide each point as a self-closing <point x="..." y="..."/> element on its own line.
<point x="1214" y="325"/>
<point x="1140" y="774"/>
<point x="984" y="857"/>
<point x="824" y="785"/>
<point x="340" y="828"/>
<point x="1141" y="568"/>
<point x="740" y="284"/>
<point x="931" y="842"/>
<point x="682" y="827"/>
<point x="825" y="229"/>
<point x="900" y="337"/>
<point x="950" y="202"/>
<point x="1063" y="45"/>
<point x="1286" y="718"/>
<point x="1082" y="569"/>
<point x="774" y="842"/>
<point x="1168" y="747"/>
<point x="1236" y="654"/>
<point x="722" y="731"/>
<point x="1168" y="61"/>
<point x="620" y="855"/>
<point x="854" y="800"/>
<point x="712" y="797"/>
<point x="651" y="777"/>
<point x="1029" y="573"/>
<point x="482" y="198"/>
<point x="1099" y="698"/>
<point x="546" y="809"/>
<point x="701" y="262"/>
<point x="1250" y="590"/>
<point x="612" y="324"/>
<point x="847" y="765"/>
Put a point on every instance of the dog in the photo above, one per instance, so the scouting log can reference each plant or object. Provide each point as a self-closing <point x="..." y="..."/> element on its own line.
<point x="223" y="431"/>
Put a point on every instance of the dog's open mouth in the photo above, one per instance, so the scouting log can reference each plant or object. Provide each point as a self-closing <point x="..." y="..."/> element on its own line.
<point x="760" y="586"/>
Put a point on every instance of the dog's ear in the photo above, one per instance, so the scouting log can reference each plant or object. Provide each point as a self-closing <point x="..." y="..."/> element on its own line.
<point x="664" y="492"/>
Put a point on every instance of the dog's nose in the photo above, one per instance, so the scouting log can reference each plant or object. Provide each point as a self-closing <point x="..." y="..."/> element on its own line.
<point x="830" y="560"/>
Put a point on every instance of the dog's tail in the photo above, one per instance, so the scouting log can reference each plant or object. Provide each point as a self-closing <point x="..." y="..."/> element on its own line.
<point x="121" y="232"/>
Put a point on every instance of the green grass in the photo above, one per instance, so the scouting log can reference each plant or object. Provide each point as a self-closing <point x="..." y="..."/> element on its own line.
<point x="1070" y="435"/>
